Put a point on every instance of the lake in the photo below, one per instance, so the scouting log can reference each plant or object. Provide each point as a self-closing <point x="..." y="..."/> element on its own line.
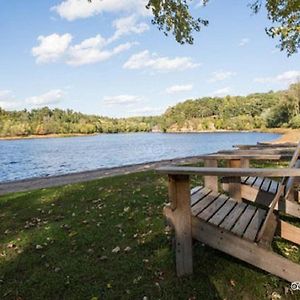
<point x="28" y="158"/>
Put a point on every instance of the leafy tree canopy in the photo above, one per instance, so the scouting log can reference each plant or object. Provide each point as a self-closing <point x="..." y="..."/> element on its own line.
<point x="174" y="16"/>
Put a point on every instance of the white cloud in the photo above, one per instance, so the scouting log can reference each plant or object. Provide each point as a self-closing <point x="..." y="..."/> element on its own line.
<point x="127" y="25"/>
<point x="51" y="97"/>
<point x="222" y="92"/>
<point x="121" y="100"/>
<point x="287" y="77"/>
<point x="221" y="75"/>
<point x="51" y="47"/>
<point x="79" y="9"/>
<point x="179" y="88"/>
<point x="144" y="59"/>
<point x="243" y="42"/>
<point x="7" y="100"/>
<point x="92" y="50"/>
<point x="5" y="94"/>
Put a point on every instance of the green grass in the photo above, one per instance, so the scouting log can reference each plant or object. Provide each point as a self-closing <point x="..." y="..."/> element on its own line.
<point x="57" y="244"/>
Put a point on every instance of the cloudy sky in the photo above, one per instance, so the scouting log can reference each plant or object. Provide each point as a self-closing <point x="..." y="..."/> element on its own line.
<point x="106" y="57"/>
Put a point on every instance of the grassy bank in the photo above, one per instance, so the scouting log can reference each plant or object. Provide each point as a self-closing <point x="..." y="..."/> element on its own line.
<point x="107" y="239"/>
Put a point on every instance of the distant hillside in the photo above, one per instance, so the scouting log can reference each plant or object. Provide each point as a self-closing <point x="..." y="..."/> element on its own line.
<point x="255" y="111"/>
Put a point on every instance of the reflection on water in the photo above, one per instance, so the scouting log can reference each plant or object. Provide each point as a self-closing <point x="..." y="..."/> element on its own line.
<point x="44" y="157"/>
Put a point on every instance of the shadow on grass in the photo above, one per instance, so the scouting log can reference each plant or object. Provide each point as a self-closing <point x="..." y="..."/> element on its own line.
<point x="106" y="239"/>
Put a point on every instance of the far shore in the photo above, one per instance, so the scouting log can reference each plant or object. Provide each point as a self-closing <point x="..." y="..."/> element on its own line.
<point x="62" y="135"/>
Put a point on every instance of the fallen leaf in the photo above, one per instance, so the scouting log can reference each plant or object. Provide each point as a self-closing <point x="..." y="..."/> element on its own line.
<point x="116" y="250"/>
<point x="275" y="296"/>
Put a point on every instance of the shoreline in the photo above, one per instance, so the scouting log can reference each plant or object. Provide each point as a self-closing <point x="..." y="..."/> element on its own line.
<point x="35" y="183"/>
<point x="67" y="135"/>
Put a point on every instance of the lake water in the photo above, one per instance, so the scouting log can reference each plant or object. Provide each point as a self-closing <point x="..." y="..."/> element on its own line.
<point x="22" y="159"/>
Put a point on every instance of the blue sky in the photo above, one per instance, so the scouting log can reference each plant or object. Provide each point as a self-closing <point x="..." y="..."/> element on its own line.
<point x="106" y="58"/>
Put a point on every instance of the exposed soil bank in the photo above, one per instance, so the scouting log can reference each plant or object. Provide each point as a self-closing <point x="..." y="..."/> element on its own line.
<point x="289" y="136"/>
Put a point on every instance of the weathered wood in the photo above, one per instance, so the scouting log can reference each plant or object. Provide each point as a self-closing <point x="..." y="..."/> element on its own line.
<point x="196" y="189"/>
<point x="180" y="190"/>
<point x="234" y="188"/>
<point x="245" y="163"/>
<point x="222" y="212"/>
<point x="244" y="220"/>
<point x="289" y="232"/>
<point x="205" y="202"/>
<point x="254" y="155"/>
<point x="199" y="195"/>
<point x="229" y="172"/>
<point x="255" y="225"/>
<point x="250" y="180"/>
<point x="211" y="182"/>
<point x="253" y="194"/>
<point x="290" y="184"/>
<point x="244" y="250"/>
<point x="265" y="231"/>
<point x="261" y="145"/>
<point x="213" y="208"/>
<point x="230" y="219"/>
<point x="274" y="187"/>
<point x="258" y="182"/>
<point x="244" y="179"/>
<point x="266" y="185"/>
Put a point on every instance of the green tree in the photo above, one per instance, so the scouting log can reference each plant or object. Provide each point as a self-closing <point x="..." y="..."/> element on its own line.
<point x="174" y="16"/>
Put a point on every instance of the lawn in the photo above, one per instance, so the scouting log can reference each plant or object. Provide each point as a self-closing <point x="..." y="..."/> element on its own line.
<point x="107" y="239"/>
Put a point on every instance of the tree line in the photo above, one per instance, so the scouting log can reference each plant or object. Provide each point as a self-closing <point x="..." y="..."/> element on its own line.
<point x="255" y="111"/>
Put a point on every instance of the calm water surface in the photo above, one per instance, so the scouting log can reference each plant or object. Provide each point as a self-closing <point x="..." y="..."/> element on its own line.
<point x="22" y="159"/>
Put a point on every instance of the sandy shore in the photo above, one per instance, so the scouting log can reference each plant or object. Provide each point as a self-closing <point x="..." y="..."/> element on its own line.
<point x="291" y="136"/>
<point x="46" y="136"/>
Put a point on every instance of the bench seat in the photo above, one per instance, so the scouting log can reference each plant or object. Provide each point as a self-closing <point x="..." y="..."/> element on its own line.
<point x="241" y="219"/>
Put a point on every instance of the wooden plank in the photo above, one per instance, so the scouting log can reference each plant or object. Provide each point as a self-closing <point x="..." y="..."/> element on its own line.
<point x="265" y="235"/>
<point x="245" y="250"/>
<point x="209" y="211"/>
<point x="206" y="201"/>
<point x="258" y="182"/>
<point x="254" y="225"/>
<point x="182" y="225"/>
<point x="270" y="221"/>
<point x="254" y="155"/>
<point x="234" y="188"/>
<point x="289" y="188"/>
<point x="249" y="193"/>
<point x="245" y="163"/>
<point x="196" y="189"/>
<point x="265" y="186"/>
<point x="244" y="179"/>
<point x="250" y="180"/>
<point x="222" y="212"/>
<point x="230" y="220"/>
<point x="199" y="195"/>
<point x="229" y="172"/>
<point x="289" y="232"/>
<point x="244" y="220"/>
<point x="211" y="182"/>
<point x="274" y="187"/>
